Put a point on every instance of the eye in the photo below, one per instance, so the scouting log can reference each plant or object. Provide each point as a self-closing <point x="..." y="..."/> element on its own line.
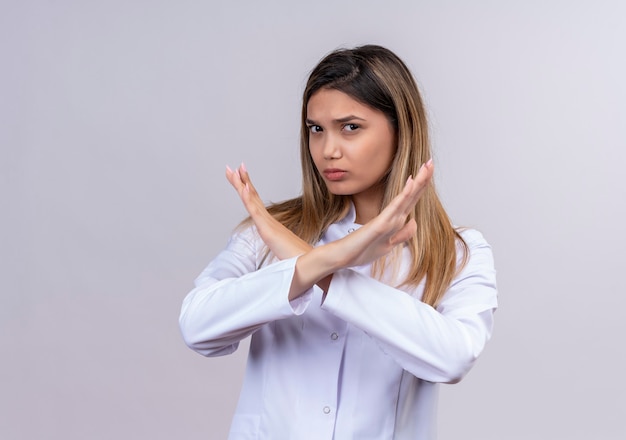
<point x="351" y="127"/>
<point x="315" y="128"/>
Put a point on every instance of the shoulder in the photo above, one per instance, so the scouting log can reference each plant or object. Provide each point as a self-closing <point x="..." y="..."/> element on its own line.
<point x="241" y="255"/>
<point x="474" y="286"/>
<point x="477" y="255"/>
<point x="245" y="237"/>
<point x="472" y="237"/>
<point x="473" y="242"/>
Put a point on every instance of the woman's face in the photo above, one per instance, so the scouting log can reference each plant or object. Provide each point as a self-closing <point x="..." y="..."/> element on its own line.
<point x="352" y="145"/>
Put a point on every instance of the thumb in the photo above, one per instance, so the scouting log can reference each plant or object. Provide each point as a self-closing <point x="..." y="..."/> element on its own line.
<point x="404" y="234"/>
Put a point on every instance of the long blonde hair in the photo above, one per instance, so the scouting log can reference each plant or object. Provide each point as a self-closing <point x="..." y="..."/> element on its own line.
<point x="376" y="77"/>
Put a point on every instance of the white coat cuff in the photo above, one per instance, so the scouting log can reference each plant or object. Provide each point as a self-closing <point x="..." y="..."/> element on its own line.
<point x="300" y="304"/>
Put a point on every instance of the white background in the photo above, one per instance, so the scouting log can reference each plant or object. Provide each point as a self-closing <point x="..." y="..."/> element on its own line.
<point x="118" y="117"/>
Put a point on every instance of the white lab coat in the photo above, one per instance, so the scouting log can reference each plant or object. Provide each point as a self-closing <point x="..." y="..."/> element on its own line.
<point x="363" y="365"/>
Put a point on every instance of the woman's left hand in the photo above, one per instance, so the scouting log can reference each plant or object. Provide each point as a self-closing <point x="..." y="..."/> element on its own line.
<point x="388" y="229"/>
<point x="281" y="241"/>
<point x="368" y="243"/>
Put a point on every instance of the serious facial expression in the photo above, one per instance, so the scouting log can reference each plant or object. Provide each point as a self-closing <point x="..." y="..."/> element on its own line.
<point x="352" y="144"/>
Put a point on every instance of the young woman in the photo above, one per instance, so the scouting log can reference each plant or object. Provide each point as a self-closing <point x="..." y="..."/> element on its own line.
<point x="360" y="295"/>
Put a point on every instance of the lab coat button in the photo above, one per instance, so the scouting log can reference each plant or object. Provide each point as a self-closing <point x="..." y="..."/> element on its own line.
<point x="326" y="410"/>
<point x="334" y="336"/>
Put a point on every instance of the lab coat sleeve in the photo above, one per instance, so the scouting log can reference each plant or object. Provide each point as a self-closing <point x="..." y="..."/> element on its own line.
<point x="436" y="345"/>
<point x="232" y="299"/>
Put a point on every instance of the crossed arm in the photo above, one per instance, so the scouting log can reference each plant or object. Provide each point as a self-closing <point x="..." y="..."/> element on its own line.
<point x="232" y="300"/>
<point x="316" y="265"/>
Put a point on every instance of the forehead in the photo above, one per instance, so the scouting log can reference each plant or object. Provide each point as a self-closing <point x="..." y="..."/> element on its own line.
<point x="333" y="104"/>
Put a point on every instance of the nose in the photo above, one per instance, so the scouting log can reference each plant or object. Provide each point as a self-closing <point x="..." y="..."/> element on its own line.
<point x="331" y="147"/>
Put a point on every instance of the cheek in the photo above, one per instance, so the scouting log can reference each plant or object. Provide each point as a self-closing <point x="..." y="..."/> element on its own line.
<point x="315" y="151"/>
<point x="314" y="158"/>
<point x="390" y="149"/>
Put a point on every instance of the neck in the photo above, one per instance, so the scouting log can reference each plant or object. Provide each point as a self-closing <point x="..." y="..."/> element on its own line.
<point x="367" y="205"/>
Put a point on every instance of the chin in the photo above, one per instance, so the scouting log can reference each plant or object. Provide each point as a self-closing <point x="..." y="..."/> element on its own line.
<point x="337" y="190"/>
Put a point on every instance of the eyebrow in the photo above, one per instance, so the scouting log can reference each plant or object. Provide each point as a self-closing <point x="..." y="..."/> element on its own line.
<point x="338" y="120"/>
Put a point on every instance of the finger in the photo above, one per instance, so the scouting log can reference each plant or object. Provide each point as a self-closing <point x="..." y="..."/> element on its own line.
<point x="243" y="171"/>
<point x="252" y="204"/>
<point x="249" y="195"/>
<point x="421" y="182"/>
<point x="424" y="174"/>
<point x="404" y="202"/>
<point x="404" y="234"/>
<point x="234" y="179"/>
<point x="245" y="178"/>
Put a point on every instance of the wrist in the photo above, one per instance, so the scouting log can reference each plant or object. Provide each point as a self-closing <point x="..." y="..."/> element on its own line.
<point x="313" y="267"/>
<point x="320" y="262"/>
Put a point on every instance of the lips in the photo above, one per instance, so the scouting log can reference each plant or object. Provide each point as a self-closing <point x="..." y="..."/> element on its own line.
<point x="334" y="174"/>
